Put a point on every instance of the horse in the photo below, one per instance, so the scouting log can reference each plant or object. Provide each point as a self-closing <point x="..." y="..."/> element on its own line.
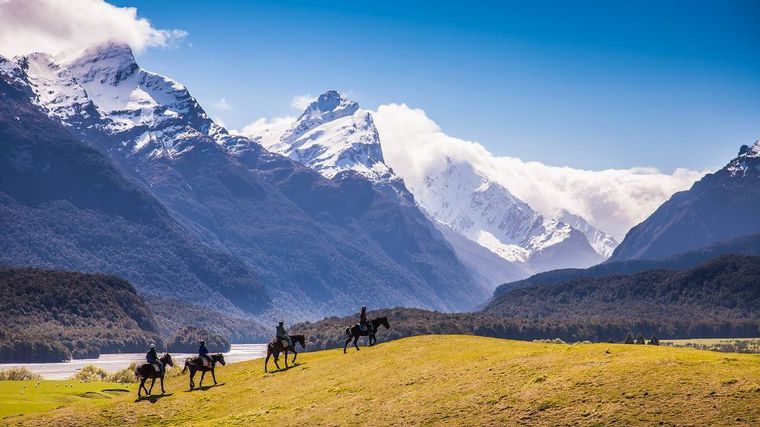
<point x="356" y="331"/>
<point x="275" y="347"/>
<point x="196" y="364"/>
<point x="146" y="370"/>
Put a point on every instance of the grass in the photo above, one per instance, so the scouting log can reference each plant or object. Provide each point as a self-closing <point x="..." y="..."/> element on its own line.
<point x="454" y="380"/>
<point x="34" y="396"/>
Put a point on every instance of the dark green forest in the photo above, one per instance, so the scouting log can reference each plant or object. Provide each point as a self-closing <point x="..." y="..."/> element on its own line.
<point x="54" y="315"/>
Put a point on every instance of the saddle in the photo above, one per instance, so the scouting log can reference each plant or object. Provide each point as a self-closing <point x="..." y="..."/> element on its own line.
<point x="205" y="362"/>
<point x="364" y="328"/>
<point x="156" y="367"/>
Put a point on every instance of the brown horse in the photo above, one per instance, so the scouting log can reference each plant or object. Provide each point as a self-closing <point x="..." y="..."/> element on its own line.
<point x="196" y="364"/>
<point x="146" y="370"/>
<point x="275" y="347"/>
<point x="356" y="331"/>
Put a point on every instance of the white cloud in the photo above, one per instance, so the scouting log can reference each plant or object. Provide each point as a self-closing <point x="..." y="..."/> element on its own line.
<point x="267" y="132"/>
<point x="300" y="102"/>
<point x="223" y="105"/>
<point x="614" y="199"/>
<point x="56" y="26"/>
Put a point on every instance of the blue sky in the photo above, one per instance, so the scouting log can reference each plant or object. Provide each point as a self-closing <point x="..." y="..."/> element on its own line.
<point x="584" y="84"/>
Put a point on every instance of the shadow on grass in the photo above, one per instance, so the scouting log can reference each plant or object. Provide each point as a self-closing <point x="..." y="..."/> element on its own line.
<point x="204" y="388"/>
<point x="153" y="398"/>
<point x="291" y="366"/>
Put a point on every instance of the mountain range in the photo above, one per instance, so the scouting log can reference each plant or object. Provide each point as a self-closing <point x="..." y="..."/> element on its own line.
<point x="316" y="245"/>
<point x="334" y="135"/>
<point x="107" y="167"/>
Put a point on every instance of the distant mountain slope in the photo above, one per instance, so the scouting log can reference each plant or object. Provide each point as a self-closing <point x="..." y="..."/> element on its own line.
<point x="63" y="205"/>
<point x="724" y="291"/>
<point x="51" y="315"/>
<point x="720" y="206"/>
<point x="745" y="245"/>
<point x="317" y="245"/>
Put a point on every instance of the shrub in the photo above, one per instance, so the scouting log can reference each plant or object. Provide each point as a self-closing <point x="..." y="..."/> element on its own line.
<point x="90" y="373"/>
<point x="124" y="376"/>
<point x="18" y="374"/>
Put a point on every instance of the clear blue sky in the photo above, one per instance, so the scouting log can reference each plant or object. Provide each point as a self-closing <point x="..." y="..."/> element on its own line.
<point x="585" y="84"/>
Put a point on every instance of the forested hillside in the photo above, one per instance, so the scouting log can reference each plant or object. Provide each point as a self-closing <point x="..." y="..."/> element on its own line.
<point x="53" y="315"/>
<point x="719" y="298"/>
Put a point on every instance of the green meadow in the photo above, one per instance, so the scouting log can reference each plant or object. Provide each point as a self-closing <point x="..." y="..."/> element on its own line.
<point x="428" y="380"/>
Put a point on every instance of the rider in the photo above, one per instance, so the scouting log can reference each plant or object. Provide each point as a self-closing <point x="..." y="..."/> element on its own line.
<point x="152" y="357"/>
<point x="203" y="352"/>
<point x="282" y="334"/>
<point x="363" y="323"/>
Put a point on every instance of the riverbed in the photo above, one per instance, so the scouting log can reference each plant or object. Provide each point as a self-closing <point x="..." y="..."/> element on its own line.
<point x="115" y="362"/>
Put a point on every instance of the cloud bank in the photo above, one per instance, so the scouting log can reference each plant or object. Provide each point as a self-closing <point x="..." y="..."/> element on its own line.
<point x="613" y="200"/>
<point x="57" y="26"/>
<point x="301" y="102"/>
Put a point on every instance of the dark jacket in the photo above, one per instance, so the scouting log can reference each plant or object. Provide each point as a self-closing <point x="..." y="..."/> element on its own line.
<point x="281" y="332"/>
<point x="202" y="350"/>
<point x="151" y="356"/>
<point x="363" y="316"/>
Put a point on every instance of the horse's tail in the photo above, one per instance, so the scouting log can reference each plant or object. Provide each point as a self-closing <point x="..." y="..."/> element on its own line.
<point x="348" y="331"/>
<point x="184" y="368"/>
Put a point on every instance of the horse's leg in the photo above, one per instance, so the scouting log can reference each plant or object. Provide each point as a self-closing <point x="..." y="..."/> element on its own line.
<point x="213" y="375"/>
<point x="152" y="383"/>
<point x="348" y="340"/>
<point x="295" y="354"/>
<point x="266" y="361"/>
<point x="203" y="374"/>
<point x="192" y="374"/>
<point x="139" y="389"/>
<point x="356" y="342"/>
<point x="286" y="359"/>
<point x="162" y="385"/>
<point x="276" y="358"/>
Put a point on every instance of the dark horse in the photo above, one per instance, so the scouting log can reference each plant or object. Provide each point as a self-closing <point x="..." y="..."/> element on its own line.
<point x="275" y="347"/>
<point x="146" y="370"/>
<point x="355" y="332"/>
<point x="196" y="364"/>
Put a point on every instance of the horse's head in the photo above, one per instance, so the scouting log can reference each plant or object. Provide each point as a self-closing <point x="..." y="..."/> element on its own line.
<point x="219" y="357"/>
<point x="166" y="359"/>
<point x="300" y="339"/>
<point x="384" y="322"/>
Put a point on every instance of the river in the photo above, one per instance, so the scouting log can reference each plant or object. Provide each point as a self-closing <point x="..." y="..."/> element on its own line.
<point x="115" y="362"/>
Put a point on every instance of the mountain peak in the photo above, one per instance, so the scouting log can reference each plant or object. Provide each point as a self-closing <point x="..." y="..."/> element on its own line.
<point x="750" y="151"/>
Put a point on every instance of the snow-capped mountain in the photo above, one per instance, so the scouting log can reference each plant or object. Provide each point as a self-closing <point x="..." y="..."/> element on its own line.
<point x="331" y="136"/>
<point x="317" y="245"/>
<point x="603" y="243"/>
<point x="334" y="135"/>
<point x="103" y="90"/>
<point x="486" y="212"/>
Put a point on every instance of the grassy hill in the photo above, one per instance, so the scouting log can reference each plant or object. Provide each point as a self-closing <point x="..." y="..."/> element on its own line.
<point x="455" y="380"/>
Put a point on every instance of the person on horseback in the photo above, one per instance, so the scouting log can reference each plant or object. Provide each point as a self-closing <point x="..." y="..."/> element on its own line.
<point x="363" y="323"/>
<point x="152" y="357"/>
<point x="282" y="334"/>
<point x="203" y="353"/>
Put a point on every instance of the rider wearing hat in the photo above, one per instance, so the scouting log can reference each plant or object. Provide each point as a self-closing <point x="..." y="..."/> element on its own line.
<point x="152" y="357"/>
<point x="282" y="334"/>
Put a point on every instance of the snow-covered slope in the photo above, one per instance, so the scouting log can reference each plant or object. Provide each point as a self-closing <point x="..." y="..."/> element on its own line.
<point x="603" y="243"/>
<point x="104" y="90"/>
<point x="333" y="135"/>
<point x="483" y="211"/>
